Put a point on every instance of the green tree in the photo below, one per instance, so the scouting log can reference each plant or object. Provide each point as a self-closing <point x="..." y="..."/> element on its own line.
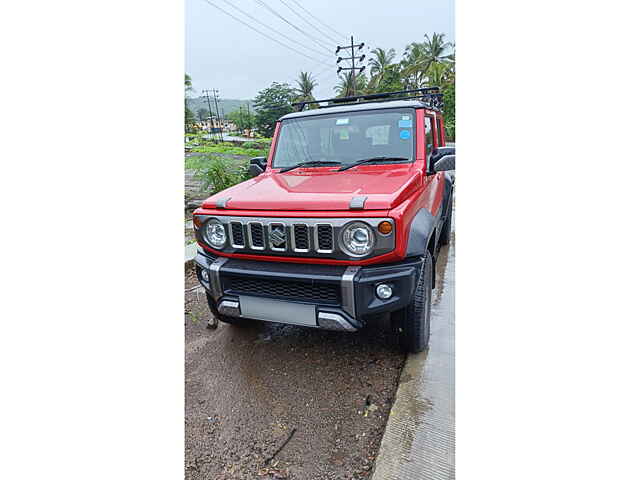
<point x="306" y="84"/>
<point x="379" y="64"/>
<point x="203" y="114"/>
<point x="420" y="56"/>
<point x="272" y="103"/>
<point x="242" y="118"/>
<point x="345" y="85"/>
<point x="390" y="82"/>
<point x="189" y="118"/>
<point x="449" y="98"/>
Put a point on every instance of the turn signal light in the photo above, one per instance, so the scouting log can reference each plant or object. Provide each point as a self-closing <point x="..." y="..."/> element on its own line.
<point x="385" y="227"/>
<point x="197" y="221"/>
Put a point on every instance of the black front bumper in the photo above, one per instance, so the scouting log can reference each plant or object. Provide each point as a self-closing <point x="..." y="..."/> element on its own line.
<point x="343" y="296"/>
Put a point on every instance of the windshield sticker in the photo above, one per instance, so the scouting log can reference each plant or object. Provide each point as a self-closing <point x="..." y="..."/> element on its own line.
<point x="405" y="134"/>
<point x="404" y="123"/>
<point x="344" y="134"/>
<point x="342" y="121"/>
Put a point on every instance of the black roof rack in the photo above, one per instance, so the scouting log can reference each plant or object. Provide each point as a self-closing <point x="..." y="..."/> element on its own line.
<point x="431" y="96"/>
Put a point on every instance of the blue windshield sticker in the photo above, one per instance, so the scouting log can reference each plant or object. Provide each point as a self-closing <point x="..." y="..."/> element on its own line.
<point x="342" y="121"/>
<point x="404" y="123"/>
<point x="405" y="134"/>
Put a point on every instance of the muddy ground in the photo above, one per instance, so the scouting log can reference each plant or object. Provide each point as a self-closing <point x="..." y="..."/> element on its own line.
<point x="249" y="390"/>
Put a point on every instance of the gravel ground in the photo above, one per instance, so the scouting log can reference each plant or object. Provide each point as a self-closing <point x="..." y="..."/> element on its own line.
<point x="250" y="390"/>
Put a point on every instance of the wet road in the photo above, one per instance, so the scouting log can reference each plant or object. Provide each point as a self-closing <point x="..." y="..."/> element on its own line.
<point x="419" y="439"/>
<point x="250" y="390"/>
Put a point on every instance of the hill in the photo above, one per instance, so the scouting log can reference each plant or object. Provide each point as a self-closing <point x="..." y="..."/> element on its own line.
<point x="227" y="105"/>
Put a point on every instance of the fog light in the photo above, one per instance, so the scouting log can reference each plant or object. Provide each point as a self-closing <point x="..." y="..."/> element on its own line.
<point x="205" y="275"/>
<point x="384" y="291"/>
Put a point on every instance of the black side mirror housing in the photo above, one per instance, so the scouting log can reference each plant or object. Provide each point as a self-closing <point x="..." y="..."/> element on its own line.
<point x="257" y="166"/>
<point x="446" y="163"/>
<point x="436" y="155"/>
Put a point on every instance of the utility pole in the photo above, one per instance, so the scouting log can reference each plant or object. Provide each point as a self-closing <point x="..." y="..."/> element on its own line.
<point x="206" y="92"/>
<point x="215" y="101"/>
<point x="353" y="67"/>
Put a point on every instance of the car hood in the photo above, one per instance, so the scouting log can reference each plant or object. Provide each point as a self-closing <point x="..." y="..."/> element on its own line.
<point x="384" y="186"/>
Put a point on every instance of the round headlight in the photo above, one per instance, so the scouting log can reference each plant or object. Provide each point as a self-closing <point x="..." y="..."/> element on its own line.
<point x="357" y="239"/>
<point x="215" y="234"/>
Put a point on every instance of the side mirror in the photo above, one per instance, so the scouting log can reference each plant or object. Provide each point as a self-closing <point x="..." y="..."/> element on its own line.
<point x="448" y="162"/>
<point x="436" y="155"/>
<point x="257" y="166"/>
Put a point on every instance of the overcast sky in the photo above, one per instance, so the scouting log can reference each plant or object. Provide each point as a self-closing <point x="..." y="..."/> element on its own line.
<point x="223" y="53"/>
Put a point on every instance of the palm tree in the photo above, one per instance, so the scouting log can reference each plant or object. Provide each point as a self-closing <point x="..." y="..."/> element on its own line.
<point x="345" y="84"/>
<point x="380" y="63"/>
<point x="413" y="55"/>
<point x="306" y="84"/>
<point x="418" y="57"/>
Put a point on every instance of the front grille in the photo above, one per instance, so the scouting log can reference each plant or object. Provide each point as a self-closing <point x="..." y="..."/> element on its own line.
<point x="294" y="236"/>
<point x="325" y="237"/>
<point x="301" y="237"/>
<point x="237" y="234"/>
<point x="257" y="235"/>
<point x="325" y="293"/>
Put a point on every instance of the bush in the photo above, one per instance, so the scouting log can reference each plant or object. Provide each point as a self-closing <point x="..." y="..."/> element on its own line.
<point x="218" y="173"/>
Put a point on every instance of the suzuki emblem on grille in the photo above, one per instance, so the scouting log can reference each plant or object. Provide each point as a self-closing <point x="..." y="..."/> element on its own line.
<point x="277" y="237"/>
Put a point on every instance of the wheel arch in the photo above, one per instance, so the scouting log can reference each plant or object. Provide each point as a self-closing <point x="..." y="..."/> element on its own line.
<point x="422" y="236"/>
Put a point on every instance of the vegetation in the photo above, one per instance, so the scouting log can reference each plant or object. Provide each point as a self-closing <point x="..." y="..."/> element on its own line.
<point x="306" y="84"/>
<point x="272" y="103"/>
<point x="189" y="118"/>
<point x="203" y="114"/>
<point x="218" y="173"/>
<point x="243" y="119"/>
<point x="430" y="62"/>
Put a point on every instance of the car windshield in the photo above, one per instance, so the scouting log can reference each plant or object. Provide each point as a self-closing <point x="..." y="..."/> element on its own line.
<point x="346" y="137"/>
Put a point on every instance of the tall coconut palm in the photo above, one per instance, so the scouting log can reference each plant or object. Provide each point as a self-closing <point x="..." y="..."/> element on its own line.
<point x="418" y="57"/>
<point x="379" y="64"/>
<point x="306" y="84"/>
<point x="412" y="57"/>
<point x="345" y="84"/>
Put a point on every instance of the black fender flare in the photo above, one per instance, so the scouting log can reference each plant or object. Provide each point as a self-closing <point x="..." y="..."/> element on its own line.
<point x="422" y="228"/>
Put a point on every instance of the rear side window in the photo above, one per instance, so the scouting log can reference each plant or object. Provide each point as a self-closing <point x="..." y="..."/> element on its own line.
<point x="428" y="135"/>
<point x="441" y="132"/>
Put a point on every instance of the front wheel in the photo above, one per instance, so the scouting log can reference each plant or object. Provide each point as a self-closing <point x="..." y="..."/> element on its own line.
<point x="413" y="322"/>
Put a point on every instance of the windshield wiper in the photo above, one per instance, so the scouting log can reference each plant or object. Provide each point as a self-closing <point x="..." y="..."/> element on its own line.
<point x="367" y="160"/>
<point x="311" y="163"/>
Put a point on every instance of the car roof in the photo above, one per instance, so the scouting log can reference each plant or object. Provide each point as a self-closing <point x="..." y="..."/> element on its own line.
<point x="356" y="107"/>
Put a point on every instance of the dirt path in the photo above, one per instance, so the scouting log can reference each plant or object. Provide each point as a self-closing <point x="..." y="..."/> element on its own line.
<point x="248" y="389"/>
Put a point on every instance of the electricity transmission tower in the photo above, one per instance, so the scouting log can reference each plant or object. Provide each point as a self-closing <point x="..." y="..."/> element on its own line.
<point x="352" y="91"/>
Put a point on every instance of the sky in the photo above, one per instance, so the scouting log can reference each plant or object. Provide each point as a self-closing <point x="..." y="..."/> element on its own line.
<point x="225" y="54"/>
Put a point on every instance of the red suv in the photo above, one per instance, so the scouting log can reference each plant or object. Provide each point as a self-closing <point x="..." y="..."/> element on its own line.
<point x="341" y="222"/>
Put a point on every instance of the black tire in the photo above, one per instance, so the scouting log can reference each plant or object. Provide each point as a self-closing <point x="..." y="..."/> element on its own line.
<point x="239" y="322"/>
<point x="413" y="323"/>
<point x="445" y="235"/>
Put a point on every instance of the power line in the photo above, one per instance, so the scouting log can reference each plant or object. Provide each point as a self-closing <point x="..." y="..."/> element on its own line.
<point x="264" y="34"/>
<point x="271" y="30"/>
<point x="331" y="39"/>
<point x="260" y="2"/>
<point x="341" y="35"/>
